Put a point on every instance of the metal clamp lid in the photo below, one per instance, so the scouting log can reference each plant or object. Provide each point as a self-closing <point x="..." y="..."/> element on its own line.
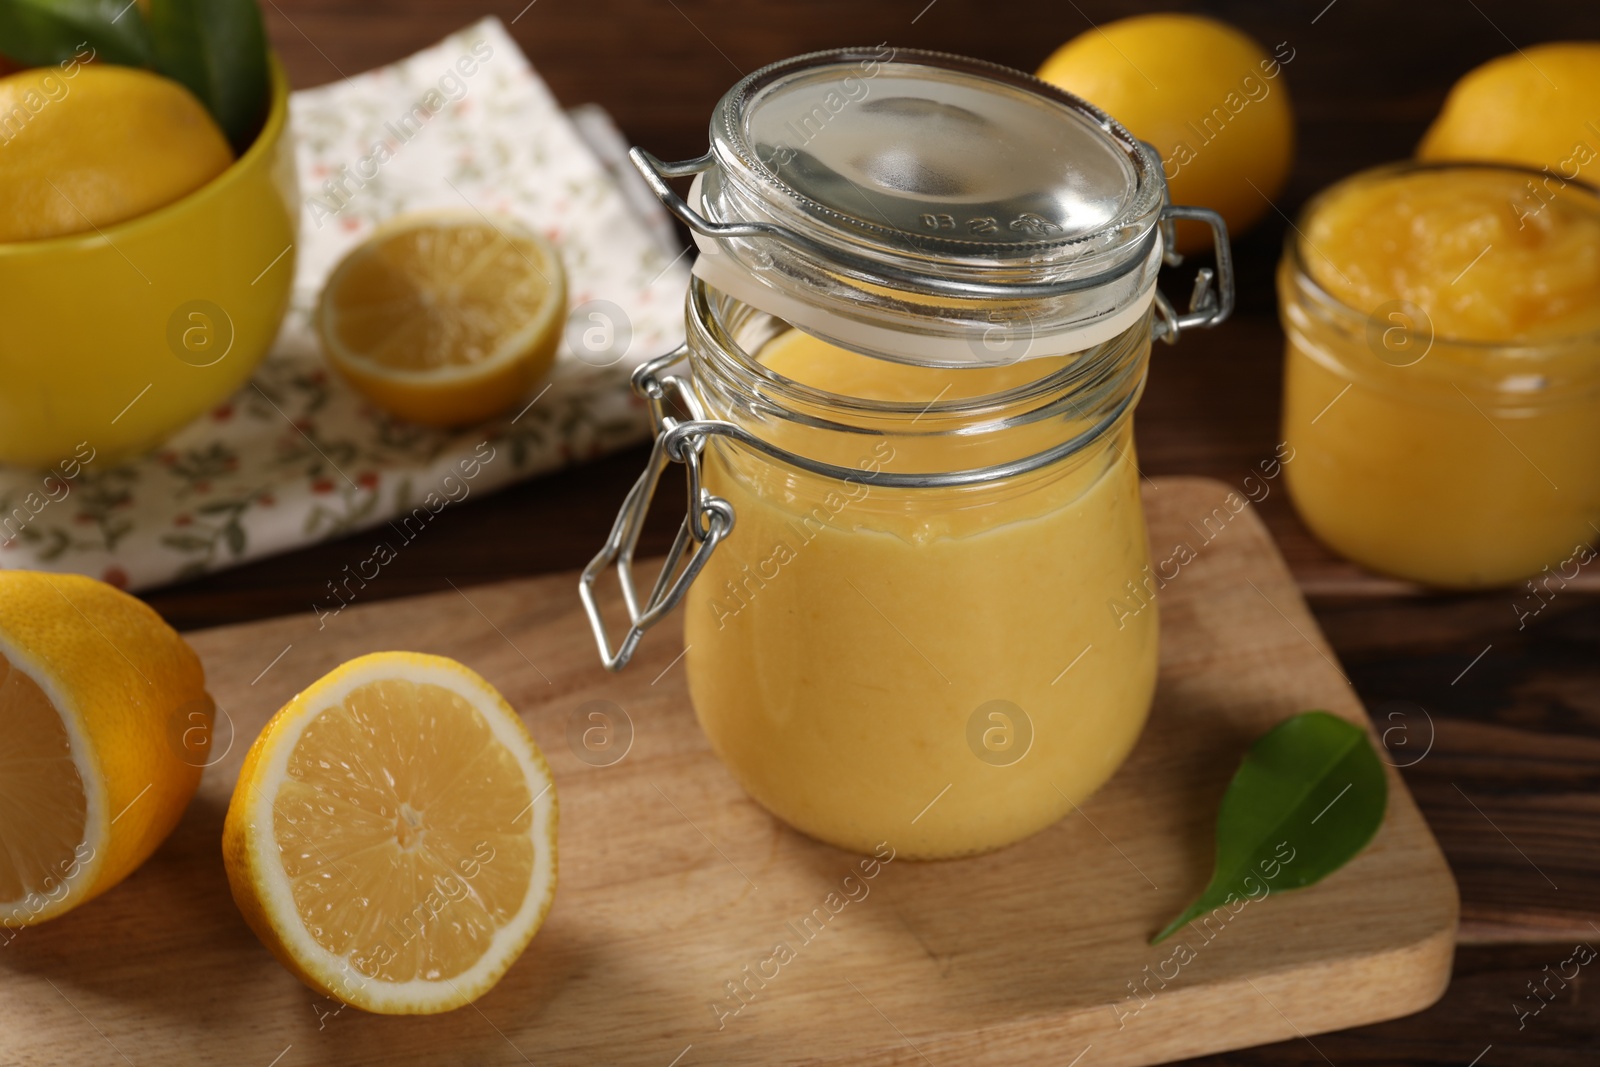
<point x="889" y="176"/>
<point x="656" y="173"/>
<point x="1210" y="302"/>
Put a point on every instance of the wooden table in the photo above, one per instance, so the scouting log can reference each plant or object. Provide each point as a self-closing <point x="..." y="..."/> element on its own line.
<point x="1508" y="719"/>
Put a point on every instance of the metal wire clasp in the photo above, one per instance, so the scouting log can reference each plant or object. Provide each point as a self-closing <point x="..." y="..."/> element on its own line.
<point x="708" y="519"/>
<point x="1208" y="307"/>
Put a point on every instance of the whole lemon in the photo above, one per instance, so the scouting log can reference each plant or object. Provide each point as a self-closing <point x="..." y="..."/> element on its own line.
<point x="82" y="150"/>
<point x="1539" y="107"/>
<point x="1208" y="98"/>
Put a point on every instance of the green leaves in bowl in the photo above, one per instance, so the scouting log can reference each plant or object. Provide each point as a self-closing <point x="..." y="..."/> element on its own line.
<point x="1312" y="785"/>
<point x="40" y="32"/>
<point x="217" y="49"/>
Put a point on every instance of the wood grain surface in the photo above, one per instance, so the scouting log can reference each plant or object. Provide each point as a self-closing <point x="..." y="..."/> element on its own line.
<point x="1506" y="719"/>
<point x="673" y="882"/>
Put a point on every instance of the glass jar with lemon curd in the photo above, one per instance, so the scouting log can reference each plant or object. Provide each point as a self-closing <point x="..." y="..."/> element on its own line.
<point x="1442" y="376"/>
<point x="920" y="320"/>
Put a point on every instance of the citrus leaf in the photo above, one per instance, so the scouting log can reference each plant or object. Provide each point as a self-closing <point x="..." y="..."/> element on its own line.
<point x="1308" y="797"/>
<point x="37" y="33"/>
<point x="218" y="50"/>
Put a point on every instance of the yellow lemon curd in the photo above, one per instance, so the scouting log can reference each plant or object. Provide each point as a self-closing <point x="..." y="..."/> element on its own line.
<point x="936" y="668"/>
<point x="1442" y="377"/>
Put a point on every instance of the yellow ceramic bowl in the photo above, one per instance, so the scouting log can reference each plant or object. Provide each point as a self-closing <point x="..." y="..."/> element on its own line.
<point x="119" y="337"/>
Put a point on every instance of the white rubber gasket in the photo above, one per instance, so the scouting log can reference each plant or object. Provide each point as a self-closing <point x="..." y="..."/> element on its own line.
<point x="1096" y="325"/>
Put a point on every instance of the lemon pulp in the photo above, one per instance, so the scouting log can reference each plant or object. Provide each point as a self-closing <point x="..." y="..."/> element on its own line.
<point x="402" y="825"/>
<point x="43" y="808"/>
<point x="445" y="319"/>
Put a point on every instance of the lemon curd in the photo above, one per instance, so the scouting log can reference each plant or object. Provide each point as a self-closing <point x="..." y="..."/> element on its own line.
<point x="932" y="667"/>
<point x="1442" y="376"/>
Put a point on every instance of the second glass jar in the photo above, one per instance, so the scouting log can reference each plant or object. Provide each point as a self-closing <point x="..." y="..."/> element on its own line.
<point x="1455" y="462"/>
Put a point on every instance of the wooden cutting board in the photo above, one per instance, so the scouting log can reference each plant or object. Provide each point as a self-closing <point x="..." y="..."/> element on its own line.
<point x="673" y="881"/>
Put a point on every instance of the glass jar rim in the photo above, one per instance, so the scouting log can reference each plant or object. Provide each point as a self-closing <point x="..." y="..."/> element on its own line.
<point x="707" y="324"/>
<point x="1296" y="238"/>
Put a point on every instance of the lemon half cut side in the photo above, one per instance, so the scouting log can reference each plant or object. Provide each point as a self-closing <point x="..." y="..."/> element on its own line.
<point x="100" y="705"/>
<point x="392" y="837"/>
<point x="445" y="318"/>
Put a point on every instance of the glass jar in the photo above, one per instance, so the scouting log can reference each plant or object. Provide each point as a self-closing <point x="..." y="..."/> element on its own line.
<point x="1453" y="462"/>
<point x="916" y="632"/>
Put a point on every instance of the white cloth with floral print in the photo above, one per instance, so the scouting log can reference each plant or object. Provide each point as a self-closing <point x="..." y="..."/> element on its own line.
<point x="296" y="456"/>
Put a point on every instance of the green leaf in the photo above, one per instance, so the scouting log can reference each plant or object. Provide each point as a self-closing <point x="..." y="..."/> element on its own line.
<point x="37" y="33"/>
<point x="1308" y="797"/>
<point x="218" y="49"/>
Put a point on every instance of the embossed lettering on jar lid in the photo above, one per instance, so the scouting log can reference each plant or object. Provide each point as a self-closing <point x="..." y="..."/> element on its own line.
<point x="915" y="204"/>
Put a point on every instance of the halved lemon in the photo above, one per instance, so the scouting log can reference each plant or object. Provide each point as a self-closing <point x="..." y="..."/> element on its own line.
<point x="445" y="318"/>
<point x="104" y="727"/>
<point x="392" y="837"/>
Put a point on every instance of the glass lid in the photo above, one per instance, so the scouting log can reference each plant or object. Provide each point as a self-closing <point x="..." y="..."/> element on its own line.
<point x="926" y="152"/>
<point x="932" y="209"/>
<point x="904" y="155"/>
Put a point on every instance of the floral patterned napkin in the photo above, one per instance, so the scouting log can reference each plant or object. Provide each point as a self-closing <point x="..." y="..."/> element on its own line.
<point x="296" y="456"/>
